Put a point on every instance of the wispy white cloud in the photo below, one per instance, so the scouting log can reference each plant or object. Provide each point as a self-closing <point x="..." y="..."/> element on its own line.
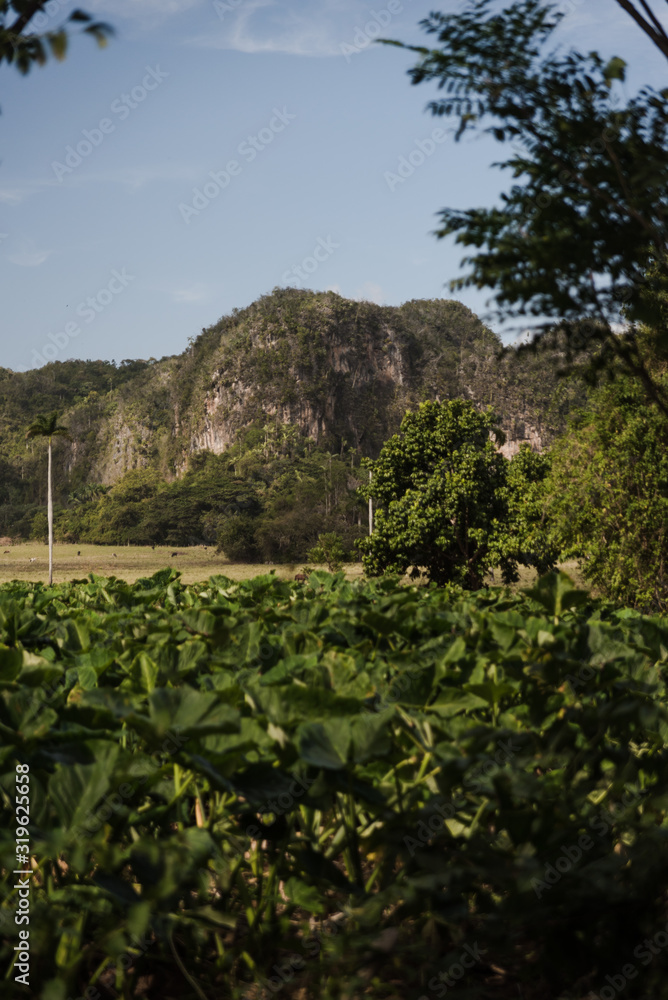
<point x="296" y="28"/>
<point x="13" y="196"/>
<point x="135" y="178"/>
<point x="28" y="256"/>
<point x="26" y="188"/>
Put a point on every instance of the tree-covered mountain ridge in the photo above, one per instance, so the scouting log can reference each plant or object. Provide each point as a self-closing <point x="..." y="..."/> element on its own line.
<point x="340" y="372"/>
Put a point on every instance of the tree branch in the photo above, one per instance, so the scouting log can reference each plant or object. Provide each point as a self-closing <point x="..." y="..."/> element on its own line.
<point x="27" y="16"/>
<point x="659" y="36"/>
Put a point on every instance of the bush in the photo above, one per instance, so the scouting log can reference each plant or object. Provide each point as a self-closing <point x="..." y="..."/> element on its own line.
<point x="329" y="550"/>
<point x="39" y="529"/>
<point x="236" y="538"/>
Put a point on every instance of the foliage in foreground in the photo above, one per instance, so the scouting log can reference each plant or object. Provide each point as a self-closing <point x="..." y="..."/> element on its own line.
<point x="246" y="789"/>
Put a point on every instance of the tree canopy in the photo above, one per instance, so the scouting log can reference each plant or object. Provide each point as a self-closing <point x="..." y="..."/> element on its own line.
<point x="580" y="240"/>
<point x="443" y="496"/>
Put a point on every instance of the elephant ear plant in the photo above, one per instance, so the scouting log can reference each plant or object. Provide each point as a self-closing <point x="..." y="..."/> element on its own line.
<point x="325" y="790"/>
<point x="48" y="427"/>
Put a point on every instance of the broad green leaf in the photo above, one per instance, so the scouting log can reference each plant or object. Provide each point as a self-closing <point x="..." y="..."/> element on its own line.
<point x="190" y="713"/>
<point x="305" y="896"/>
<point x="452" y="702"/>
<point x="76" y="789"/>
<point x="557" y="593"/>
<point x="11" y="661"/>
<point x="317" y="748"/>
<point x="491" y="692"/>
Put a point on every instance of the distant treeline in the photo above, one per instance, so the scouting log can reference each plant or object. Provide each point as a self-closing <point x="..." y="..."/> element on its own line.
<point x="266" y="499"/>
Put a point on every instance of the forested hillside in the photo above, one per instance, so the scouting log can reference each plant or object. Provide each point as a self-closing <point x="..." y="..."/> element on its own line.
<point x="293" y="390"/>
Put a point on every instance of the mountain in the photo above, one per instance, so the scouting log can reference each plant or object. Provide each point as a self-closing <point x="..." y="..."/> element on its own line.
<point x="341" y="372"/>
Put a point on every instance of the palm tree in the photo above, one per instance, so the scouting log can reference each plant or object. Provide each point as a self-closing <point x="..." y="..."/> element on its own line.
<point x="49" y="428"/>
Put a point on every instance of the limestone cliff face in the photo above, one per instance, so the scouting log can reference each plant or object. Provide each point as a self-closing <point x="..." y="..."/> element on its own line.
<point x="344" y="373"/>
<point x="524" y="433"/>
<point x="326" y="387"/>
<point x="127" y="449"/>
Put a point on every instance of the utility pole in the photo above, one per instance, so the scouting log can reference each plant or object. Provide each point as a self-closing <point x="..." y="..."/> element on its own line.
<point x="370" y="508"/>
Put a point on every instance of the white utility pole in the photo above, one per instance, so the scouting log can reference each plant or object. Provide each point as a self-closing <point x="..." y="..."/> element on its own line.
<point x="370" y="508"/>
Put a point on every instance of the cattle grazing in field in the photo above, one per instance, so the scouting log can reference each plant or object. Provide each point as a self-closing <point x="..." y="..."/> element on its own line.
<point x="300" y="577"/>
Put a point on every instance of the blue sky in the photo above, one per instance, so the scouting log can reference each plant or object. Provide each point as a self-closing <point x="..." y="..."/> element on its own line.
<point x="284" y="117"/>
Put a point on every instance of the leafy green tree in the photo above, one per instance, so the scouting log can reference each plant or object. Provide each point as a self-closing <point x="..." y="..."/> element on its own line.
<point x="440" y="489"/>
<point x="580" y="239"/>
<point x="237" y="538"/>
<point x="329" y="550"/>
<point x="48" y="427"/>
<point x="39" y="528"/>
<point x="528" y="523"/>
<point x="23" y="43"/>
<point x="609" y="495"/>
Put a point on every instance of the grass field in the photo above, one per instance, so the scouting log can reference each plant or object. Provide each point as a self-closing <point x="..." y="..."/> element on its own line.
<point x="130" y="562"/>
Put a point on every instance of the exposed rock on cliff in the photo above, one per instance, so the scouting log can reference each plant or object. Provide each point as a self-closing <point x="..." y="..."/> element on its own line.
<point x="343" y="372"/>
